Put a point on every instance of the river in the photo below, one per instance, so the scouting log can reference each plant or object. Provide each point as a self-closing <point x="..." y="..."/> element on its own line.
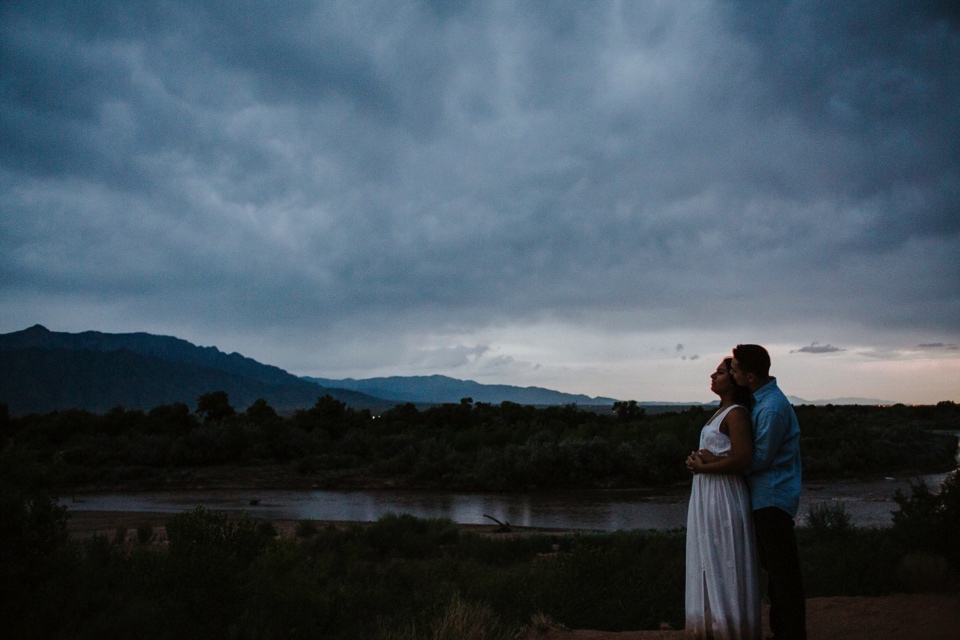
<point x="869" y="504"/>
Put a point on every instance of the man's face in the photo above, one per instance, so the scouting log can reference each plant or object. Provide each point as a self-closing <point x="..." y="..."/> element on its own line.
<point x="738" y="375"/>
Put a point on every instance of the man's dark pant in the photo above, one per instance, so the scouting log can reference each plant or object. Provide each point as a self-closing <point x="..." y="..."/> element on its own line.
<point x="777" y="545"/>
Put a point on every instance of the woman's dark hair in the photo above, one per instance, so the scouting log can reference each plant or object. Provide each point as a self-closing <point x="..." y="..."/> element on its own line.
<point x="741" y="395"/>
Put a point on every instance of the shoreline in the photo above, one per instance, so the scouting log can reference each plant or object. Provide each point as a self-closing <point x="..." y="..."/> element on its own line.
<point x="284" y="478"/>
<point x="87" y="524"/>
<point x="868" y="502"/>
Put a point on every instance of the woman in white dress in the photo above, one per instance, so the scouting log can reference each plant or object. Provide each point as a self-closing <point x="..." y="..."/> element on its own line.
<point x="723" y="571"/>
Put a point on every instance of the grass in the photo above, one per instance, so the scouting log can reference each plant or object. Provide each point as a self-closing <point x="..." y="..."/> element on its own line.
<point x="404" y="578"/>
<point x="459" y="619"/>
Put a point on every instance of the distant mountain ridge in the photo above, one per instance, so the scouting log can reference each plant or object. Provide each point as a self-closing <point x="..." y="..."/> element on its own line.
<point x="146" y="344"/>
<point x="441" y="389"/>
<point x="862" y="401"/>
<point x="43" y="370"/>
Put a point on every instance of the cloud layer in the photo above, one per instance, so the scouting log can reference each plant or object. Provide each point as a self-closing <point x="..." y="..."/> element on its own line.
<point x="351" y="187"/>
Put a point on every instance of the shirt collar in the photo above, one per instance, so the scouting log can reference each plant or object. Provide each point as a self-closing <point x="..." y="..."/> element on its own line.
<point x="765" y="389"/>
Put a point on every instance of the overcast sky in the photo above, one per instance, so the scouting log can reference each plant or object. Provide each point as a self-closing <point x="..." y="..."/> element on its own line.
<point x="595" y="197"/>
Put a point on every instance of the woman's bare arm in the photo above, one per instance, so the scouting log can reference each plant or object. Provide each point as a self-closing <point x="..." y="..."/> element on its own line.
<point x="737" y="423"/>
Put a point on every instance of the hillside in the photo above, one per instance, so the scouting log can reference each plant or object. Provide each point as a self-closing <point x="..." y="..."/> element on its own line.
<point x="42" y="371"/>
<point x="166" y="348"/>
<point x="442" y="389"/>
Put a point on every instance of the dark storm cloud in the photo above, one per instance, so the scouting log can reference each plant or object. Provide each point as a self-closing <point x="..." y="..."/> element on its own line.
<point x="879" y="78"/>
<point x="453" y="165"/>
<point x="939" y="345"/>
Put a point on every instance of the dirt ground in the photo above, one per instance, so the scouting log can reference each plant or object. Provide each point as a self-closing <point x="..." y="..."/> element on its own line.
<point x="922" y="616"/>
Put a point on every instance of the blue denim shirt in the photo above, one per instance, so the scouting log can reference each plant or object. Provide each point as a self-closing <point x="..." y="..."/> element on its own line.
<point x="774" y="476"/>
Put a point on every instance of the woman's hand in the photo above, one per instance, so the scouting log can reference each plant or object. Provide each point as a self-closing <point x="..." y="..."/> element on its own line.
<point x="695" y="462"/>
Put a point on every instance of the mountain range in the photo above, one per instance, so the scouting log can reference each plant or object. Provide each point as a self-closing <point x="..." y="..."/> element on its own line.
<point x="43" y="371"/>
<point x="438" y="389"/>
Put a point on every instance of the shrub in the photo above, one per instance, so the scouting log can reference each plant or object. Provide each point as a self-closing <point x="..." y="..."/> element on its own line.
<point x="859" y="562"/>
<point x="306" y="529"/>
<point x="144" y="533"/>
<point x="407" y="536"/>
<point x="213" y="533"/>
<point x="463" y="620"/>
<point x="266" y="529"/>
<point x="827" y="519"/>
<point x="34" y="550"/>
<point x="919" y="572"/>
<point x="623" y="580"/>
<point x="928" y="521"/>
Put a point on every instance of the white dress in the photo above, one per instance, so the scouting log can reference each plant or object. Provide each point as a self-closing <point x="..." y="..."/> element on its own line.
<point x="723" y="570"/>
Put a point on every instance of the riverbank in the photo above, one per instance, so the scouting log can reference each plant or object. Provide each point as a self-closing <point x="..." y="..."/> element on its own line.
<point x="286" y="477"/>
<point x="86" y="524"/>
<point x="868" y="503"/>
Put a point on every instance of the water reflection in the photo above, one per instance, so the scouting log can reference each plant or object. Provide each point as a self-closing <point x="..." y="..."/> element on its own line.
<point x="869" y="504"/>
<point x="591" y="510"/>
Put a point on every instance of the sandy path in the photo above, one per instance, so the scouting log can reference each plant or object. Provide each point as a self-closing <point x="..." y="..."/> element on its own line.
<point x="925" y="616"/>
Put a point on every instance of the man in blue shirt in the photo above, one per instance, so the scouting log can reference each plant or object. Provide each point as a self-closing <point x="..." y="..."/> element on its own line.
<point x="774" y="480"/>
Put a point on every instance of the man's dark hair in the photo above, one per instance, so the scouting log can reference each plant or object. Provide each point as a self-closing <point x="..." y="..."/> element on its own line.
<point x="752" y="358"/>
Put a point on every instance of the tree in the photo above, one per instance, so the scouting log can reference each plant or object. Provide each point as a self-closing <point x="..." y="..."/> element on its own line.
<point x="329" y="409"/>
<point x="214" y="406"/>
<point x="261" y="413"/>
<point x="328" y="414"/>
<point x="629" y="411"/>
<point x="174" y="418"/>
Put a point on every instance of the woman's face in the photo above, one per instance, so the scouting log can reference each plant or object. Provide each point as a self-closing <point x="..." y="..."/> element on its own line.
<point x="721" y="381"/>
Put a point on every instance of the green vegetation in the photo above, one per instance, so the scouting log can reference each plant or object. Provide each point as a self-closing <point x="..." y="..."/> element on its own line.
<point x="403" y="578"/>
<point x="464" y="446"/>
<point x="866" y="440"/>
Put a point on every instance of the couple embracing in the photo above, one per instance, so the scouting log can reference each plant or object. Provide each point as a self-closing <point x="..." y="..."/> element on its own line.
<point x="745" y="495"/>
